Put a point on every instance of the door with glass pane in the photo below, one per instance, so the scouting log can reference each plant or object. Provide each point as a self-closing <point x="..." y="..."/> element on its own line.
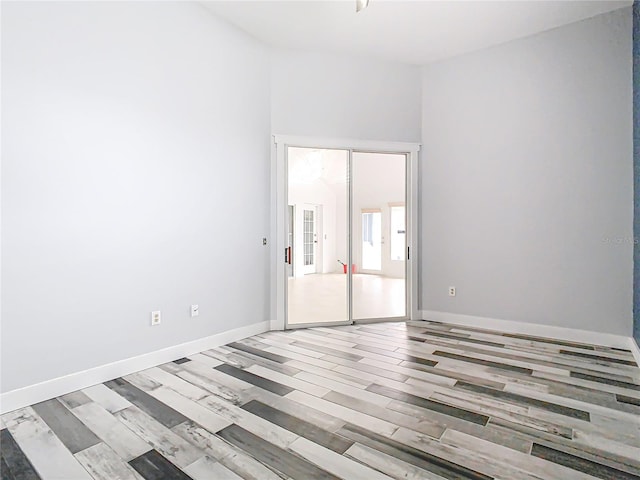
<point x="310" y="238"/>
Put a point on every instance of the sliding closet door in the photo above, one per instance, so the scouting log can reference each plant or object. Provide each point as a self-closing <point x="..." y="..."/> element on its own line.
<point x="379" y="235"/>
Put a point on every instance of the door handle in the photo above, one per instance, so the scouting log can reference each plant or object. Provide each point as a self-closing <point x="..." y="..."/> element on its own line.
<point x="287" y="255"/>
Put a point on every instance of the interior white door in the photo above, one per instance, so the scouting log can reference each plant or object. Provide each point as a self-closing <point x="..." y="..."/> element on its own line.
<point x="309" y="238"/>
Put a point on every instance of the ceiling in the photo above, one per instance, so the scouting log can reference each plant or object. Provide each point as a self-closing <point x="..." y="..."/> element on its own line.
<point x="414" y="32"/>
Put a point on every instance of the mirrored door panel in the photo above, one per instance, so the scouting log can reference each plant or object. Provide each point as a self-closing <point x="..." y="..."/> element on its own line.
<point x="379" y="235"/>
<point x="317" y="236"/>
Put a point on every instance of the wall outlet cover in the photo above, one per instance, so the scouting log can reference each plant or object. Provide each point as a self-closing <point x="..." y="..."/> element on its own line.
<point x="156" y="317"/>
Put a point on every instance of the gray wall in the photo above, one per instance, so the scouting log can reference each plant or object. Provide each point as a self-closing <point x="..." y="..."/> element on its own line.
<point x="527" y="179"/>
<point x="636" y="171"/>
<point x="135" y="177"/>
<point x="324" y="95"/>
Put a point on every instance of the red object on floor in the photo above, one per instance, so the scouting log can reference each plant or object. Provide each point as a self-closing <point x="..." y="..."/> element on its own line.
<point x="353" y="268"/>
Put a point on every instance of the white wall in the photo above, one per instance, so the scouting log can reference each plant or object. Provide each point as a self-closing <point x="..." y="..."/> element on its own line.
<point x="135" y="177"/>
<point x="527" y="179"/>
<point x="323" y="95"/>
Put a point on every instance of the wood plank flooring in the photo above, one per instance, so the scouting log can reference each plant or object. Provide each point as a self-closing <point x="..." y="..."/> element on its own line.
<point x="415" y="400"/>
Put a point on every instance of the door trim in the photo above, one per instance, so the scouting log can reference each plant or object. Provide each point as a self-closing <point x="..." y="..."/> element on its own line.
<point x="278" y="217"/>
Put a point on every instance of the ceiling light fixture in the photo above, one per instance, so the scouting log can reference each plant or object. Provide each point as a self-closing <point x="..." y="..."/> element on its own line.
<point x="361" y="5"/>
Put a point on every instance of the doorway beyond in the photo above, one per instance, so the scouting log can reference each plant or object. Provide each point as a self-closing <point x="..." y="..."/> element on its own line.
<point x="346" y="225"/>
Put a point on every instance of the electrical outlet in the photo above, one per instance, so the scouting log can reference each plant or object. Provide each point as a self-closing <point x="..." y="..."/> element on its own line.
<point x="264" y="240"/>
<point x="195" y="311"/>
<point x="155" y="318"/>
<point x="452" y="291"/>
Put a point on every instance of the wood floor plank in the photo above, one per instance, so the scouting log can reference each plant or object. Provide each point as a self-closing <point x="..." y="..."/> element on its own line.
<point x="15" y="463"/>
<point x="254" y="379"/>
<point x="477" y="462"/>
<point x="430" y="404"/>
<point x="519" y="417"/>
<point x="72" y="432"/>
<point x="426" y="461"/>
<point x="233" y="391"/>
<point x="428" y="427"/>
<point x="354" y="381"/>
<point x="159" y="411"/>
<point x="256" y="351"/>
<point x="521" y="399"/>
<point x="256" y="425"/>
<point x="579" y="464"/>
<point x="107" y="398"/>
<point x="216" y="376"/>
<point x="406" y="371"/>
<point x="338" y="465"/>
<point x="74" y="399"/>
<point x="208" y="469"/>
<point x="48" y="455"/>
<point x="525" y="462"/>
<point x="600" y="358"/>
<point x="153" y="466"/>
<point x="159" y="436"/>
<point x="293" y="383"/>
<point x="389" y="465"/>
<point x="363" y="366"/>
<point x="277" y="458"/>
<point x="299" y="410"/>
<point x="336" y="386"/>
<point x="329" y="351"/>
<point x="347" y="414"/>
<point x="298" y="426"/>
<point x="205" y="360"/>
<point x="191" y="409"/>
<point x="104" y="464"/>
<point x="5" y="473"/>
<point x="175" y="383"/>
<point x="236" y="460"/>
<point x="112" y="432"/>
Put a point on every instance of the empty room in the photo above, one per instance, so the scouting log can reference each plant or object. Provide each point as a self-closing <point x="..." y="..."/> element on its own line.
<point x="299" y="240"/>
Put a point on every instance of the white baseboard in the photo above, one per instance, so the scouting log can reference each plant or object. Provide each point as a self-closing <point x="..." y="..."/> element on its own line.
<point x="39" y="392"/>
<point x="276" y="325"/>
<point x="633" y="346"/>
<point x="510" y="326"/>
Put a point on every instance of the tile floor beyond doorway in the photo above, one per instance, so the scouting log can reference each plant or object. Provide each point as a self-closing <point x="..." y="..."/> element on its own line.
<point x="323" y="298"/>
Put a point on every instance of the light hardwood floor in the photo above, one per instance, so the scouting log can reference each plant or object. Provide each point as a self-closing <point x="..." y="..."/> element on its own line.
<point x="416" y="400"/>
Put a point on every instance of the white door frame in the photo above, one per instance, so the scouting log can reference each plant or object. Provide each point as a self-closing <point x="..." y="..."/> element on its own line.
<point x="278" y="230"/>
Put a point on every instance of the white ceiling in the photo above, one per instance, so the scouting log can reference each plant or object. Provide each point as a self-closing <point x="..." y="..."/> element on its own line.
<point x="415" y="32"/>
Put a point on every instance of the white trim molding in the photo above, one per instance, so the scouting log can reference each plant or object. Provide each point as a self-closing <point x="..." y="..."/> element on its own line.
<point x="535" y="329"/>
<point x="39" y="392"/>
<point x="278" y="224"/>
